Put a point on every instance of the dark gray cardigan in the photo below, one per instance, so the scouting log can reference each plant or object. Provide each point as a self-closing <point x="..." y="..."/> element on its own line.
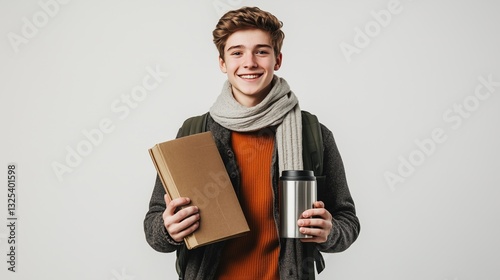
<point x="335" y="194"/>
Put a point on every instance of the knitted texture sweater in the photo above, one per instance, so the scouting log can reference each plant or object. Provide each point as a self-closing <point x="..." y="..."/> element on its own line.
<point x="255" y="255"/>
<point x="204" y="261"/>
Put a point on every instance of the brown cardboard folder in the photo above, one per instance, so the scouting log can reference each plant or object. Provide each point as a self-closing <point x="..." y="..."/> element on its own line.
<point x="191" y="167"/>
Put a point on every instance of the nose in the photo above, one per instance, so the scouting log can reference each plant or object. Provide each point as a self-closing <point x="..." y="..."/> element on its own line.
<point x="250" y="61"/>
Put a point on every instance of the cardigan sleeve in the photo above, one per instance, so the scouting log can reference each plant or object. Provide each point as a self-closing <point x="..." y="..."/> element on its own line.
<point x="154" y="229"/>
<point x="337" y="198"/>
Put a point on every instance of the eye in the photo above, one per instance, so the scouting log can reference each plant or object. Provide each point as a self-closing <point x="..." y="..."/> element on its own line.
<point x="262" y="52"/>
<point x="236" y="53"/>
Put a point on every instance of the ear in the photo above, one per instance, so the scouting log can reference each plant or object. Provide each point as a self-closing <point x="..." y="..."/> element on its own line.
<point x="222" y="65"/>
<point x="278" y="62"/>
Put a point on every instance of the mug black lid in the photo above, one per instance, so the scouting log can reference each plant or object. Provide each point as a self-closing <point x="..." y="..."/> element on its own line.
<point x="302" y="175"/>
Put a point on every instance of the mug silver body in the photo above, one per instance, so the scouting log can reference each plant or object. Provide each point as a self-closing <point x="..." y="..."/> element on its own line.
<point x="295" y="198"/>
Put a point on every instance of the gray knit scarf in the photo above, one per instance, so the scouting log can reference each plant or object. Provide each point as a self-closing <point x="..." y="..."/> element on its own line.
<point x="280" y="107"/>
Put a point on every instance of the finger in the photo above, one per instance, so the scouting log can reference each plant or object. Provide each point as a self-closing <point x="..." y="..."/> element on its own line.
<point x="317" y="212"/>
<point x="317" y="223"/>
<point x="177" y="228"/>
<point x="319" y="204"/>
<point x="180" y="215"/>
<point x="318" y="235"/>
<point x="173" y="204"/>
<point x="181" y="235"/>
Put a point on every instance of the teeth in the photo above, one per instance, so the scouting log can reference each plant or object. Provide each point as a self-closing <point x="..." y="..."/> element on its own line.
<point x="249" y="76"/>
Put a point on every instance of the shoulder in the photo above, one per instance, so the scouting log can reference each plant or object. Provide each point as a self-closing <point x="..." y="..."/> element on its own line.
<point x="192" y="125"/>
<point x="311" y="121"/>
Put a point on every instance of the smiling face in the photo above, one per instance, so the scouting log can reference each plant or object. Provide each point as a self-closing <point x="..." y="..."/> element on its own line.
<point x="249" y="62"/>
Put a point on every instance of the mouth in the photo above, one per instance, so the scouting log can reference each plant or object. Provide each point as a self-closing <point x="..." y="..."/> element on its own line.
<point x="250" y="76"/>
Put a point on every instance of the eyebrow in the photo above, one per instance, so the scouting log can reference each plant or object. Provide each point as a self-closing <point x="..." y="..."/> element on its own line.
<point x="256" y="46"/>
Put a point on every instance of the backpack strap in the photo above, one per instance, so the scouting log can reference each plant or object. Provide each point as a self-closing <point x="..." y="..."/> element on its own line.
<point x="194" y="125"/>
<point x="312" y="156"/>
<point x="181" y="260"/>
<point x="312" y="143"/>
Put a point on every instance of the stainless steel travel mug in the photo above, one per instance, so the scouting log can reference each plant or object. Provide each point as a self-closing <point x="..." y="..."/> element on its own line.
<point x="297" y="191"/>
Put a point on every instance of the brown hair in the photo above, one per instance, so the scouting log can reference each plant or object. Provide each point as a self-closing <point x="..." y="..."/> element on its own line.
<point x="248" y="18"/>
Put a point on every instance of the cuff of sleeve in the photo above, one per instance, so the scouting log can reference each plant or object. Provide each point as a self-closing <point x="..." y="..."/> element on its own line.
<point x="331" y="239"/>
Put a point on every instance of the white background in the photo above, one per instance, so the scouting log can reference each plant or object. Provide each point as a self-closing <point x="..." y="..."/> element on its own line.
<point x="440" y="223"/>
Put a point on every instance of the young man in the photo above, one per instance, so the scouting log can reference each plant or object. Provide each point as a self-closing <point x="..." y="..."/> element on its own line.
<point x="256" y="122"/>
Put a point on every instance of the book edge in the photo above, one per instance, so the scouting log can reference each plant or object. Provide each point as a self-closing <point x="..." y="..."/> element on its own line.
<point x="156" y="152"/>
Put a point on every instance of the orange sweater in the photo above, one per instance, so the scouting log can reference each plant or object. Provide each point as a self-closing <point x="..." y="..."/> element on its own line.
<point x="255" y="255"/>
